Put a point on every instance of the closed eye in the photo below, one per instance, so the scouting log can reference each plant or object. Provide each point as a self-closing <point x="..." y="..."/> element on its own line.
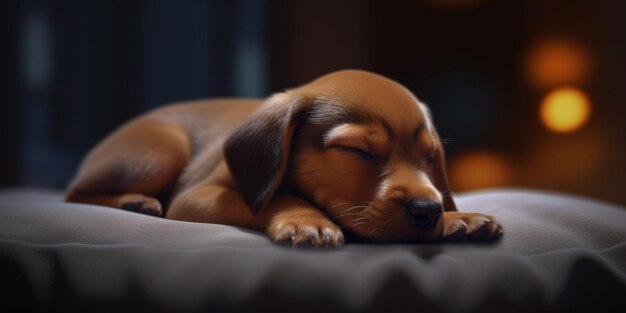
<point x="367" y="155"/>
<point x="430" y="157"/>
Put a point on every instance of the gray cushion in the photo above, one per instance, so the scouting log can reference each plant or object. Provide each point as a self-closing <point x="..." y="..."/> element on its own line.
<point x="559" y="252"/>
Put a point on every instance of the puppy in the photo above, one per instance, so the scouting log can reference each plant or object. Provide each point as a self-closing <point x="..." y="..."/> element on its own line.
<point x="350" y="152"/>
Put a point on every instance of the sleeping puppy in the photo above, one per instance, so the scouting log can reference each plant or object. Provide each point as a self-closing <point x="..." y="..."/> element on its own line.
<point x="350" y="152"/>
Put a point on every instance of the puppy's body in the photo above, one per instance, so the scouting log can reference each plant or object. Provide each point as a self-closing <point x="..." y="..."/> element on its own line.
<point x="351" y="150"/>
<point x="161" y="153"/>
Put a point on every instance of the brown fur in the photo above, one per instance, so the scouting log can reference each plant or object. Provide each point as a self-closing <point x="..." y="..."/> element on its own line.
<point x="350" y="151"/>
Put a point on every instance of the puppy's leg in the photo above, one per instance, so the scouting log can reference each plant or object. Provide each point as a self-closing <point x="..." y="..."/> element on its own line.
<point x="132" y="166"/>
<point x="286" y="218"/>
<point x="459" y="226"/>
<point x="294" y="220"/>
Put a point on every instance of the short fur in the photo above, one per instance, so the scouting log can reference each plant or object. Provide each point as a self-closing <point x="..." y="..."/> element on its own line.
<point x="349" y="152"/>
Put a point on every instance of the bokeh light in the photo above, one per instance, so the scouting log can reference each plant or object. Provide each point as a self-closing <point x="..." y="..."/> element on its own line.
<point x="558" y="62"/>
<point x="565" y="110"/>
<point x="479" y="169"/>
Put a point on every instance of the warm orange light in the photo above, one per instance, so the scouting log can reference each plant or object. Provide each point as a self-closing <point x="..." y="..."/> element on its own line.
<point x="558" y="62"/>
<point x="479" y="169"/>
<point x="565" y="110"/>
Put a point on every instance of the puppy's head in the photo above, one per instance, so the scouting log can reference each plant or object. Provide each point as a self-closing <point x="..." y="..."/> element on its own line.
<point x="357" y="145"/>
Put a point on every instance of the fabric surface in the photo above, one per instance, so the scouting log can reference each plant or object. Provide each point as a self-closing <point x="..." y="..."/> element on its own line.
<point x="559" y="253"/>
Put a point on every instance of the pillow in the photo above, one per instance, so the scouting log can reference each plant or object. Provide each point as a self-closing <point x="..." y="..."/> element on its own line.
<point x="559" y="252"/>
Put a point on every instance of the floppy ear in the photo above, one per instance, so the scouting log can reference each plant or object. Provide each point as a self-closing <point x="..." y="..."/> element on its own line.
<point x="440" y="178"/>
<point x="257" y="152"/>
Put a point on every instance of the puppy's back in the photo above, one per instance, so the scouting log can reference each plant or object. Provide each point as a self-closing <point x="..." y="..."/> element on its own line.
<point x="206" y="121"/>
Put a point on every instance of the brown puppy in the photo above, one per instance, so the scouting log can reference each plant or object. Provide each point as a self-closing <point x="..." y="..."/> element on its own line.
<point x="351" y="150"/>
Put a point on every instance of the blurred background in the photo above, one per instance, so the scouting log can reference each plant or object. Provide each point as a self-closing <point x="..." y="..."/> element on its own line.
<point x="526" y="93"/>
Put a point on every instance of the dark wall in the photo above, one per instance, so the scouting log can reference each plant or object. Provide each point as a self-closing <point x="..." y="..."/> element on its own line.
<point x="85" y="67"/>
<point x="10" y="92"/>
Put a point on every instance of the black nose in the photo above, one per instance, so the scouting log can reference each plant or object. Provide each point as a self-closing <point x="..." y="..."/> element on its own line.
<point x="423" y="211"/>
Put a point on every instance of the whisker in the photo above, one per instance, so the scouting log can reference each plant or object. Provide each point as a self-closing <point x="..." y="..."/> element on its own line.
<point x="373" y="232"/>
<point x="336" y="205"/>
<point x="357" y="219"/>
<point x="352" y="208"/>
<point x="353" y="225"/>
<point x="347" y="214"/>
<point x="359" y="207"/>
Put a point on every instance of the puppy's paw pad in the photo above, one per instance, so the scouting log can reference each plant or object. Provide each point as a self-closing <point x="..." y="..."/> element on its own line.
<point x="143" y="205"/>
<point x="455" y="230"/>
<point x="487" y="230"/>
<point x="471" y="226"/>
<point x="305" y="234"/>
<point x="286" y="232"/>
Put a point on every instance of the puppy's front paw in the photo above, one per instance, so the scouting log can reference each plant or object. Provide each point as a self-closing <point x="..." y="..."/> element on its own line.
<point x="141" y="204"/>
<point x="316" y="232"/>
<point x="458" y="226"/>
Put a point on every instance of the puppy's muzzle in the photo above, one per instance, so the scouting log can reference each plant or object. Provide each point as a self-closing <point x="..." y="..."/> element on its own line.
<point x="423" y="212"/>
